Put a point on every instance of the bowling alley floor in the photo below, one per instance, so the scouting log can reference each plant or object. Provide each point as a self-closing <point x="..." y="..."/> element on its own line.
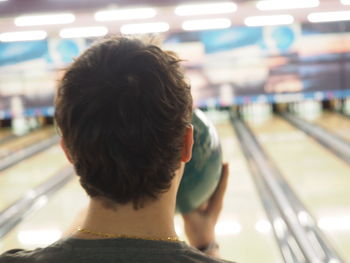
<point x="336" y="123"/>
<point x="17" y="180"/>
<point x="320" y="179"/>
<point x="4" y="133"/>
<point x="24" y="141"/>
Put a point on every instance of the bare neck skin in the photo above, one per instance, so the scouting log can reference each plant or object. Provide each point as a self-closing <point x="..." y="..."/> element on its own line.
<point x="154" y="220"/>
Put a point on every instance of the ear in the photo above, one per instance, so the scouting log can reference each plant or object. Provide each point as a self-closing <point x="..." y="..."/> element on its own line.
<point x="188" y="144"/>
<point x="65" y="150"/>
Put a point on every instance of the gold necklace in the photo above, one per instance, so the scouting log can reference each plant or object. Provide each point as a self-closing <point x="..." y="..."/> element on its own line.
<point x="106" y="235"/>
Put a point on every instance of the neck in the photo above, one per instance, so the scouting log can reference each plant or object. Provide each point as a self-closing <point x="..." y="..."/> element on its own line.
<point x="154" y="220"/>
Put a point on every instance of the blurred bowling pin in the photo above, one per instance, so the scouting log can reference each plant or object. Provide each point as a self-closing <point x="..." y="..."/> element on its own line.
<point x="19" y="122"/>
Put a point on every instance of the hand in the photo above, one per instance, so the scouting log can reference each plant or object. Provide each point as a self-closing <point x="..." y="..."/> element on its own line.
<point x="200" y="223"/>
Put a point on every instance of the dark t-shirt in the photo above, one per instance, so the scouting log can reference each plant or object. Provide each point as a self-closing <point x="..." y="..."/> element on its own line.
<point x="73" y="250"/>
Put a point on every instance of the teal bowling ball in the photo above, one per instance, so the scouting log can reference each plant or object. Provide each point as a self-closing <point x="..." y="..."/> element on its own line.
<point x="202" y="174"/>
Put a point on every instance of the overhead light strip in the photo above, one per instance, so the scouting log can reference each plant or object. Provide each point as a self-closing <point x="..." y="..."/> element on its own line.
<point x="125" y="14"/>
<point x="269" y="20"/>
<point x="47" y="19"/>
<point x="145" y="28"/>
<point x="206" y="9"/>
<point x="23" y="36"/>
<point x="320" y="17"/>
<point x="345" y="2"/>
<point x="286" y="4"/>
<point x="206" y="24"/>
<point x="81" y="32"/>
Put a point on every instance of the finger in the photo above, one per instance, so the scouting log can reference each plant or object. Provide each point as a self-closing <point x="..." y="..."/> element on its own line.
<point x="200" y="210"/>
<point x="203" y="207"/>
<point x="216" y="200"/>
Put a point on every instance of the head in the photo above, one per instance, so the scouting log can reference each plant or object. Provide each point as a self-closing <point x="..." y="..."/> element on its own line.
<point x="124" y="111"/>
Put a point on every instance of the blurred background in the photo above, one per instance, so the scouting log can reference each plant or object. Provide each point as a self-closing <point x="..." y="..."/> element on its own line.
<point x="274" y="77"/>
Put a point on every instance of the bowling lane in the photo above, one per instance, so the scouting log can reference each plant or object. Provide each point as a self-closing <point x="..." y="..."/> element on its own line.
<point x="243" y="226"/>
<point x="320" y="179"/>
<point x="5" y="132"/>
<point x="16" y="180"/>
<point x="243" y="232"/>
<point x="26" y="140"/>
<point x="335" y="123"/>
<point x="49" y="223"/>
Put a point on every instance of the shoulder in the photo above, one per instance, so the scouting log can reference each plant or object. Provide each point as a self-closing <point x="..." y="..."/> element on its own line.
<point x="194" y="255"/>
<point x="17" y="255"/>
<point x="95" y="251"/>
<point x="39" y="255"/>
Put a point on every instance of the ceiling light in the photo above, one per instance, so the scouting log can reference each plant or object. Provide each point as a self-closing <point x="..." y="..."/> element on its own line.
<point x="269" y="20"/>
<point x="206" y="9"/>
<point x="286" y="4"/>
<point x="345" y="2"/>
<point x="125" y="14"/>
<point x="145" y="28"/>
<point x="206" y="24"/>
<point x="81" y="32"/>
<point x="49" y="19"/>
<point x="23" y="36"/>
<point x="329" y="16"/>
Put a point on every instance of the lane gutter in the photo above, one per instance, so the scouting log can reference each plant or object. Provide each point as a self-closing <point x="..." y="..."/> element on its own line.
<point x="7" y="138"/>
<point x="330" y="141"/>
<point x="27" y="152"/>
<point x="294" y="227"/>
<point x="287" y="244"/>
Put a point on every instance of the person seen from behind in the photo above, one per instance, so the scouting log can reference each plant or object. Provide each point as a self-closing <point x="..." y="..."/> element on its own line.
<point x="124" y="111"/>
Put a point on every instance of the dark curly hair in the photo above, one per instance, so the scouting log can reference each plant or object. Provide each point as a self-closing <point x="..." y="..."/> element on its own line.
<point x="122" y="108"/>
